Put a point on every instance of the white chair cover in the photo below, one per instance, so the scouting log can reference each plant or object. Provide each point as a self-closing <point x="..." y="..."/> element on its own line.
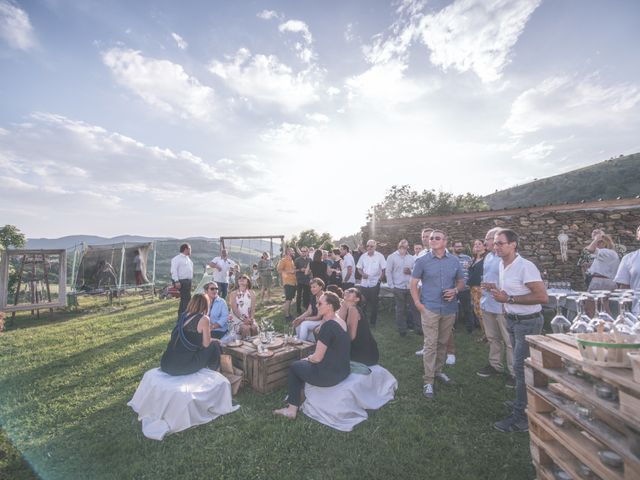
<point x="345" y="405"/>
<point x="167" y="404"/>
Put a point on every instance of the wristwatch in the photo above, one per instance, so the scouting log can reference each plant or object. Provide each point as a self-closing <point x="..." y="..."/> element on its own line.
<point x="511" y="300"/>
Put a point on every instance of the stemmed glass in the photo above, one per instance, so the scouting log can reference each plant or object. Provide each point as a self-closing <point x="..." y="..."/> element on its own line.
<point x="559" y="323"/>
<point x="622" y="324"/>
<point x="581" y="322"/>
<point x="601" y="317"/>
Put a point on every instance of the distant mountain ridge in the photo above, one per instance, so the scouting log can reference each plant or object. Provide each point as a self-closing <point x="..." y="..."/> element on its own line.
<point x="607" y="180"/>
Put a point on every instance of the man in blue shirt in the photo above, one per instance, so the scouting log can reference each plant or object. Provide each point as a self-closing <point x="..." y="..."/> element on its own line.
<point x="218" y="311"/>
<point x="442" y="277"/>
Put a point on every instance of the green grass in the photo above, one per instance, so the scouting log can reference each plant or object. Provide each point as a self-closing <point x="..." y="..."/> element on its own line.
<point x="65" y="381"/>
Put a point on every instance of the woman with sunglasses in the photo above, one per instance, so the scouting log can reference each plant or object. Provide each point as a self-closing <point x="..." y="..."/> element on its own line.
<point x="364" y="348"/>
<point x="191" y="346"/>
<point x="218" y="311"/>
<point x="328" y="365"/>
<point x="243" y="308"/>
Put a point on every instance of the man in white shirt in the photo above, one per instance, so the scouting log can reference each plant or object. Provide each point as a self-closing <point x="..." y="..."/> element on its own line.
<point x="371" y="266"/>
<point x="628" y="275"/>
<point x="495" y="325"/>
<point x="182" y="275"/>
<point x="348" y="271"/>
<point x="522" y="292"/>
<point x="399" y="267"/>
<point x="221" y="266"/>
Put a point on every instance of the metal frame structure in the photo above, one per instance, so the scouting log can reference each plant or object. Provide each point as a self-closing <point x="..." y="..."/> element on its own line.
<point x="4" y="279"/>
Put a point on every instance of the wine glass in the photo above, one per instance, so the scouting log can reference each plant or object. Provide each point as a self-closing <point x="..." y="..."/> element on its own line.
<point x="581" y="322"/>
<point x="622" y="324"/>
<point x="601" y="316"/>
<point x="559" y="323"/>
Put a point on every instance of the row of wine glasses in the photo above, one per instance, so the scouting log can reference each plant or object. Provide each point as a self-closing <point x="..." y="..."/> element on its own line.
<point x="625" y="323"/>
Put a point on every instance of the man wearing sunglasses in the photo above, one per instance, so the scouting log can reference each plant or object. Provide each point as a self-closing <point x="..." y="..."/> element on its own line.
<point x="442" y="277"/>
<point x="218" y="310"/>
<point x="521" y="291"/>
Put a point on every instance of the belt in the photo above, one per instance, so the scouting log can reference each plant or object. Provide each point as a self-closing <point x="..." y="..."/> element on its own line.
<point x="597" y="275"/>
<point x="516" y="318"/>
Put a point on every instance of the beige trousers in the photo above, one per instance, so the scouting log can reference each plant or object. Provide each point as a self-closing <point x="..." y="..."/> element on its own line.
<point x="437" y="329"/>
<point x="495" y="328"/>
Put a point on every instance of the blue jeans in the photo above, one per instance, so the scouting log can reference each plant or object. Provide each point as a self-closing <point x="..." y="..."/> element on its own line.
<point x="518" y="329"/>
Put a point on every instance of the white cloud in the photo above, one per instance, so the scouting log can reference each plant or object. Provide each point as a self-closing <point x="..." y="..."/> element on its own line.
<point x="387" y="82"/>
<point x="303" y="49"/>
<point x="289" y="133"/>
<point x="476" y="35"/>
<point x="15" y="26"/>
<point x="565" y="101"/>
<point x="65" y="156"/>
<point x="265" y="79"/>
<point x="317" y="117"/>
<point x="535" y="153"/>
<point x="161" y="83"/>
<point x="296" y="26"/>
<point x="181" y="42"/>
<point x="268" y="14"/>
<point x="349" y="35"/>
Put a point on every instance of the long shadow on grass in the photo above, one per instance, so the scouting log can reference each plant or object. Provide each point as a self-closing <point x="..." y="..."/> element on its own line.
<point x="59" y="317"/>
<point x="43" y="372"/>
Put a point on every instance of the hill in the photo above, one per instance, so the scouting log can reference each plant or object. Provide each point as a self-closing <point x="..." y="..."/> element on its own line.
<point x="613" y="178"/>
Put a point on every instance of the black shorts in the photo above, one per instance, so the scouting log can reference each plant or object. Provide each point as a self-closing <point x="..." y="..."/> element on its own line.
<point x="289" y="292"/>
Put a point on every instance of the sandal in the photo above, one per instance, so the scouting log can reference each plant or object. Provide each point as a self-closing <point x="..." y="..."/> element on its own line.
<point x="285" y="413"/>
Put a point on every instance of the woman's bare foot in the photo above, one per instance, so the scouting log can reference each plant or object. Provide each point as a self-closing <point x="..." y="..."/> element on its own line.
<point x="287" y="412"/>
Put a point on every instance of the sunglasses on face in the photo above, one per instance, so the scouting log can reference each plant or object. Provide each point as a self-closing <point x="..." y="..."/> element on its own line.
<point x="213" y="288"/>
<point x="435" y="238"/>
<point x="500" y="244"/>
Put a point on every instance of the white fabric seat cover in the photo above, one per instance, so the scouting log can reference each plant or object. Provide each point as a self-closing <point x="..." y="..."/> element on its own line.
<point x="345" y="405"/>
<point x="167" y="404"/>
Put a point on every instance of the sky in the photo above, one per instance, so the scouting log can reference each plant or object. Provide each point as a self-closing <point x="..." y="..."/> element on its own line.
<point x="209" y="118"/>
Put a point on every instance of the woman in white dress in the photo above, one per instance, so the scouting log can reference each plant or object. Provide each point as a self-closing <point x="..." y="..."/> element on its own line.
<point x="243" y="308"/>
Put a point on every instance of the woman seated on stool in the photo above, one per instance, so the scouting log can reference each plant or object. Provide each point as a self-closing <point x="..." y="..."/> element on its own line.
<point x="243" y="308"/>
<point x="218" y="310"/>
<point x="364" y="348"/>
<point x="328" y="365"/>
<point x="191" y="347"/>
<point x="310" y="319"/>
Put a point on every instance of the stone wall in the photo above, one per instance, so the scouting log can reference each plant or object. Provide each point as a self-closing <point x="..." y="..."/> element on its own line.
<point x="538" y="228"/>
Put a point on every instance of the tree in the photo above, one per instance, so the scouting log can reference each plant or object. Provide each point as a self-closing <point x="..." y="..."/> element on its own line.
<point x="11" y="236"/>
<point x="311" y="238"/>
<point x="403" y="202"/>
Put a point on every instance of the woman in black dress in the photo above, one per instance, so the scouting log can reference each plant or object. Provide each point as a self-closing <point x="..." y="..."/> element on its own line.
<point x="318" y="268"/>
<point x="475" y="279"/>
<point x="328" y="365"/>
<point x="191" y="347"/>
<point x="364" y="348"/>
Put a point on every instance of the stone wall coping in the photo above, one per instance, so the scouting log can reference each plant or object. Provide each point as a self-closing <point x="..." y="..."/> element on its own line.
<point x="606" y="205"/>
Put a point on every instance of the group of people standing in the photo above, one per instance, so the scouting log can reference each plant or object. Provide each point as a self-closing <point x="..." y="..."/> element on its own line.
<point x="496" y="287"/>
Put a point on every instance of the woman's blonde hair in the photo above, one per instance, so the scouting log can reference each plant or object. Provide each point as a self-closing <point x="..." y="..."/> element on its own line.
<point x="608" y="241"/>
<point x="199" y="303"/>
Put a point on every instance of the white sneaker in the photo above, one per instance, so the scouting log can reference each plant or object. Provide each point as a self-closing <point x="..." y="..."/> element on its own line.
<point x="420" y="353"/>
<point x="451" y="359"/>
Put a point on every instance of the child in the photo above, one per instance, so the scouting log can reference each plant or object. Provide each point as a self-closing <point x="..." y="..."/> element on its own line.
<point x="255" y="276"/>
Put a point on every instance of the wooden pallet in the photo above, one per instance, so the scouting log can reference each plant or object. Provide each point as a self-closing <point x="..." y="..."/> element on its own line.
<point x="266" y="374"/>
<point x="613" y="424"/>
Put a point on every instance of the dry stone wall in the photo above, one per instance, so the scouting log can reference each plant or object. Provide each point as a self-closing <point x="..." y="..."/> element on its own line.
<point x="538" y="228"/>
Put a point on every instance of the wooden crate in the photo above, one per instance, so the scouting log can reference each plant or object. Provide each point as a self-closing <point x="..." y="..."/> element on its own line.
<point x="614" y="424"/>
<point x="266" y="374"/>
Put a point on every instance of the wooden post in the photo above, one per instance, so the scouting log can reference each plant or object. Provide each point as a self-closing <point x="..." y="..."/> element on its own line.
<point x="46" y="279"/>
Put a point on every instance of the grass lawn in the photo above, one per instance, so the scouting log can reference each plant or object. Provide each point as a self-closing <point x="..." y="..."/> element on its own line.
<point x="65" y="380"/>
